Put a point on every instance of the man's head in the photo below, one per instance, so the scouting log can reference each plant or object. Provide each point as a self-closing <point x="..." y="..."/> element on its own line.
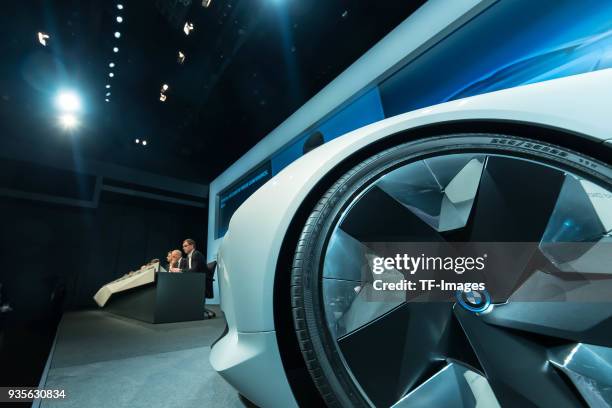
<point x="188" y="245"/>
<point x="169" y="256"/>
<point x="176" y="255"/>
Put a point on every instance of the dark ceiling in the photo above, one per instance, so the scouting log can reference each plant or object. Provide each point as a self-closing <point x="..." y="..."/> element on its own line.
<point x="249" y="65"/>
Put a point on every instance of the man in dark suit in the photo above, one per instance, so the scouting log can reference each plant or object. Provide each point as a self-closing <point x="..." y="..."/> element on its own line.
<point x="194" y="261"/>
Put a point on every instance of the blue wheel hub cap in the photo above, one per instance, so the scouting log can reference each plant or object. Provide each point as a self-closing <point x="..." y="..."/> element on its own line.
<point x="475" y="301"/>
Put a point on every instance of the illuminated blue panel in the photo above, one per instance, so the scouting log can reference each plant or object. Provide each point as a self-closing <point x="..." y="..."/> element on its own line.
<point x="510" y="44"/>
<point x="283" y="158"/>
<point x="363" y="111"/>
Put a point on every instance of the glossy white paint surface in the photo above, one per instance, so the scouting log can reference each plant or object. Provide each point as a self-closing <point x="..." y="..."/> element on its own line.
<point x="248" y="356"/>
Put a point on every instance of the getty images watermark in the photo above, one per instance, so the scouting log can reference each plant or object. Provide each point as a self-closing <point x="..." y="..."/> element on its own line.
<point x="517" y="271"/>
<point x="407" y="264"/>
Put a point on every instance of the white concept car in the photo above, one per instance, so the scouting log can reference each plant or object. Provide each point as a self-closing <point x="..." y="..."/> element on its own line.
<point x="529" y="164"/>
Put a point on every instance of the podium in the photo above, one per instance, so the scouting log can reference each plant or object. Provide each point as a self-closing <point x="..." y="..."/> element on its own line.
<point x="155" y="297"/>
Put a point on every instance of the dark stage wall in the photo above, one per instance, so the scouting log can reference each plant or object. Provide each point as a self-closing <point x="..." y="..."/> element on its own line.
<point x="44" y="245"/>
<point x="55" y="257"/>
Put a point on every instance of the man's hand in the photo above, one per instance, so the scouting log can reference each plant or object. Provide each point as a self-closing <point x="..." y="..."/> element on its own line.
<point x="173" y="269"/>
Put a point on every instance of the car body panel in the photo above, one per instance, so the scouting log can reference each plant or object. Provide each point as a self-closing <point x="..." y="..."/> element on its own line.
<point x="250" y="362"/>
<point x="249" y="252"/>
<point x="251" y="246"/>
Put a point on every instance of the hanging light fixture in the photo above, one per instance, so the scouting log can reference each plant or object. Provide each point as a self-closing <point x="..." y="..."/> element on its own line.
<point x="188" y="28"/>
<point x="42" y="38"/>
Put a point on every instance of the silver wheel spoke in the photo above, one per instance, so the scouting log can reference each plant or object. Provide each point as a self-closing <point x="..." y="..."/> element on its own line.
<point x="550" y="322"/>
<point x="454" y="386"/>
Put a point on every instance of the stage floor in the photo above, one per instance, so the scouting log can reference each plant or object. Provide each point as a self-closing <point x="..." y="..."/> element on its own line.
<point x="104" y="360"/>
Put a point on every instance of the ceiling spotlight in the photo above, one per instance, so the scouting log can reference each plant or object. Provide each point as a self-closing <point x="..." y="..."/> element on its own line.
<point x="111" y="65"/>
<point x="68" y="101"/>
<point x="120" y="6"/>
<point x="115" y="49"/>
<point x="181" y="57"/>
<point x="144" y="142"/>
<point x="187" y="28"/>
<point x="108" y="94"/>
<point x="42" y="38"/>
<point x="162" y="97"/>
<point x="119" y="19"/>
<point x="110" y="74"/>
<point x="107" y="86"/>
<point x="164" y="87"/>
<point x="68" y="121"/>
<point x="106" y="100"/>
<point x="117" y="34"/>
<point x="206" y="3"/>
<point x="136" y="141"/>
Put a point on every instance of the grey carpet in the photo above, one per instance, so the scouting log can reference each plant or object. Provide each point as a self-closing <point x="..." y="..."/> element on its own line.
<point x="103" y="360"/>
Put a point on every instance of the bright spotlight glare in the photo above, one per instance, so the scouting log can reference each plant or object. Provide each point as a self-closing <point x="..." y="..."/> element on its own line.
<point x="137" y="141"/>
<point x="110" y="74"/>
<point x="68" y="101"/>
<point x="107" y="86"/>
<point x="68" y="121"/>
<point x="120" y="6"/>
<point x="144" y="142"/>
<point x="108" y="94"/>
<point x="119" y="19"/>
<point x="111" y="65"/>
<point x="117" y="34"/>
<point x="115" y="49"/>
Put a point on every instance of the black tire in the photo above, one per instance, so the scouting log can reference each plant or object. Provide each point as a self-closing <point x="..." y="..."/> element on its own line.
<point x="321" y="355"/>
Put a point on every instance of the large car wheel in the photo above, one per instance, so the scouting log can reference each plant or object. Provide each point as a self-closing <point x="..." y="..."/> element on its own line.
<point x="417" y="354"/>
